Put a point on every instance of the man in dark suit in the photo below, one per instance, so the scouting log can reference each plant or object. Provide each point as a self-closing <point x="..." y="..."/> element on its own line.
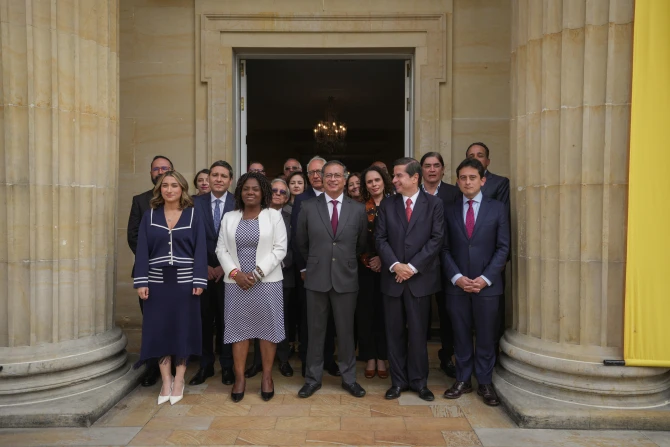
<point x="474" y="256"/>
<point x="314" y="168"/>
<point x="212" y="207"/>
<point x="496" y="188"/>
<point x="331" y="234"/>
<point x="432" y="169"/>
<point x="409" y="234"/>
<point x="159" y="165"/>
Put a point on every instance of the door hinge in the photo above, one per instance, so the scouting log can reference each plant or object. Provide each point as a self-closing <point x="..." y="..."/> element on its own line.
<point x="408" y="103"/>
<point x="409" y="68"/>
<point x="242" y="104"/>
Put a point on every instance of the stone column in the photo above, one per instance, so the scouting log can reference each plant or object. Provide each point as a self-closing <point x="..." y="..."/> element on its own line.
<point x="58" y="188"/>
<point x="571" y="93"/>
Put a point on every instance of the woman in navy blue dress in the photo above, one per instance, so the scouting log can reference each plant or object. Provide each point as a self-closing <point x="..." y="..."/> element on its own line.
<point x="170" y="273"/>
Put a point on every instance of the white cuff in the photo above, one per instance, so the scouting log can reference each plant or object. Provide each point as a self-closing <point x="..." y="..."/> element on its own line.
<point x="413" y="269"/>
<point x="486" y="279"/>
<point x="455" y="278"/>
<point x="303" y="270"/>
<point x="393" y="265"/>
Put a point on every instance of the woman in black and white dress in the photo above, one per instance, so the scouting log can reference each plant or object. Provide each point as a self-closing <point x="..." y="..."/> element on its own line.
<point x="252" y="244"/>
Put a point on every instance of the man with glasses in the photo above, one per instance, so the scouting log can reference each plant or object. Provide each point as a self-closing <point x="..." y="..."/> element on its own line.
<point x="331" y="234"/>
<point x="159" y="165"/>
<point x="292" y="165"/>
<point x="316" y="181"/>
<point x="257" y="167"/>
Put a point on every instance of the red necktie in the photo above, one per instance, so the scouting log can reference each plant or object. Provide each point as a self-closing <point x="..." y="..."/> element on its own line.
<point x="470" y="220"/>
<point x="334" y="220"/>
<point x="408" y="209"/>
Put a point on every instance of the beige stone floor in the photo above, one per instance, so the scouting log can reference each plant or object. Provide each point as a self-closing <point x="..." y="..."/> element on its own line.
<point x="206" y="416"/>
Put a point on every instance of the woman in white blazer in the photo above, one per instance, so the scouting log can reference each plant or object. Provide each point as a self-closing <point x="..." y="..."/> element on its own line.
<point x="252" y="244"/>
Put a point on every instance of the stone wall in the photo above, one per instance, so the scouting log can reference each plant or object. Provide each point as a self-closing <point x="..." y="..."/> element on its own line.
<point x="165" y="106"/>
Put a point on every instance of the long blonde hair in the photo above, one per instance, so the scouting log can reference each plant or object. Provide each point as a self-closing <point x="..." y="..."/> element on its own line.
<point x="184" y="201"/>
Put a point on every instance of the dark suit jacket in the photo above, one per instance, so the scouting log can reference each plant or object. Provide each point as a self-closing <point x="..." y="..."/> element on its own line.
<point x="332" y="259"/>
<point x="298" y="260"/>
<point x="139" y="207"/>
<point x="449" y="194"/>
<point x="203" y="205"/>
<point x="418" y="243"/>
<point x="288" y="269"/>
<point x="496" y="188"/>
<point x="483" y="254"/>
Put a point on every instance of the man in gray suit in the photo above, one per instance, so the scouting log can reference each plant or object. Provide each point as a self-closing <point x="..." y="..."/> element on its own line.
<point x="330" y="234"/>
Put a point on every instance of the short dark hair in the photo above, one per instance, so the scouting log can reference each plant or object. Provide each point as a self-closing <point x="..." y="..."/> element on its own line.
<point x="432" y="154"/>
<point x="223" y="164"/>
<point x="266" y="190"/>
<point x="334" y="162"/>
<point x="471" y="163"/>
<point x="411" y="166"/>
<point x="164" y="158"/>
<point x="478" y="144"/>
<point x="195" y="179"/>
<point x="255" y="162"/>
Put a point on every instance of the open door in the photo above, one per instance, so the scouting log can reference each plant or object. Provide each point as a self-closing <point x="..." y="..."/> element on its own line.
<point x="409" y="106"/>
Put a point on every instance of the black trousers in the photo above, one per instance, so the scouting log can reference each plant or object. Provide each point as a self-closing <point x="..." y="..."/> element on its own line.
<point x="370" y="316"/>
<point x="329" y="342"/>
<point x="211" y="312"/>
<point x="407" y="320"/>
<point x="446" y="331"/>
<point x="282" y="346"/>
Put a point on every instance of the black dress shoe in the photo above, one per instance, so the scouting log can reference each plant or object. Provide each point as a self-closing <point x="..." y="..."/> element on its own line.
<point x="489" y="394"/>
<point x="285" y="369"/>
<point x="449" y="368"/>
<point x="151" y="376"/>
<point x="354" y="389"/>
<point x="394" y="392"/>
<point x="252" y="371"/>
<point x="202" y="375"/>
<point x="308" y="389"/>
<point x="458" y="389"/>
<point x="426" y="394"/>
<point x="334" y="370"/>
<point x="228" y="376"/>
<point x="304" y="368"/>
<point x="236" y="397"/>
<point x="266" y="396"/>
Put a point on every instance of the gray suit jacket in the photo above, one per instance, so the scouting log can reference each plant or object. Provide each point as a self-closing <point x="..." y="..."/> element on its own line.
<point x="331" y="258"/>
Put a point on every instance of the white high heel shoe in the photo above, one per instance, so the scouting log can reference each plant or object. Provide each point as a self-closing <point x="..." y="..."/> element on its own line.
<point x="174" y="399"/>
<point x="163" y="399"/>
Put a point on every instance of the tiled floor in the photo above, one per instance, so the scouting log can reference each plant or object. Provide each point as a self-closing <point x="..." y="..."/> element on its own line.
<point x="331" y="417"/>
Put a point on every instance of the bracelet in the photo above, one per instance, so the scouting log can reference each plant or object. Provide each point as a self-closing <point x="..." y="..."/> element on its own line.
<point x="234" y="273"/>
<point x="260" y="272"/>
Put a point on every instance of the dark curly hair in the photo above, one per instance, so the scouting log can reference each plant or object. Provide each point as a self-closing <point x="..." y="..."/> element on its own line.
<point x="266" y="190"/>
<point x="388" y="184"/>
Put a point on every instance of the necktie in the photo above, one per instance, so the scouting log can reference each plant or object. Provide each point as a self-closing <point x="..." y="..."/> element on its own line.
<point x="217" y="215"/>
<point x="334" y="219"/>
<point x="470" y="219"/>
<point x="408" y="209"/>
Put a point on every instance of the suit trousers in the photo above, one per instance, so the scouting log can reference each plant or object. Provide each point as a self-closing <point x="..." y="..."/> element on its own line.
<point x="407" y="320"/>
<point x="446" y="332"/>
<point x="483" y="311"/>
<point x="329" y="344"/>
<point x="211" y="313"/>
<point x="343" y="309"/>
<point x="283" y="346"/>
<point x="370" y="316"/>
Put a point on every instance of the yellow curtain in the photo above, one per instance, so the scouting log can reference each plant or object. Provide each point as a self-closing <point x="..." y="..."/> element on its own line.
<point x="647" y="307"/>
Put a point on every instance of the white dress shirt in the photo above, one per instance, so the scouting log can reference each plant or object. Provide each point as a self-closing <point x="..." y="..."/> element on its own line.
<point x="223" y="203"/>
<point x="404" y="204"/>
<point x="476" y="202"/>
<point x="330" y="206"/>
<point x="317" y="192"/>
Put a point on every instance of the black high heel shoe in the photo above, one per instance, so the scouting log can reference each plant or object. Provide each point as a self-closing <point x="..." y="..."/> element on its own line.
<point x="236" y="397"/>
<point x="266" y="396"/>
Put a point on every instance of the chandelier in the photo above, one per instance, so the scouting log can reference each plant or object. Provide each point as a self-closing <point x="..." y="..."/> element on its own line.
<point x="330" y="133"/>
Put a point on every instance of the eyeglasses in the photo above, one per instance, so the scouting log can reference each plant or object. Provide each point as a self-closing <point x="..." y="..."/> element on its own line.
<point x="332" y="175"/>
<point x="279" y="191"/>
<point x="314" y="173"/>
<point x="292" y="168"/>
<point x="258" y="171"/>
<point x="161" y="169"/>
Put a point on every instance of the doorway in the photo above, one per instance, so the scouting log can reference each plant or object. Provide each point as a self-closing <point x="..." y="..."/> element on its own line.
<point x="282" y="100"/>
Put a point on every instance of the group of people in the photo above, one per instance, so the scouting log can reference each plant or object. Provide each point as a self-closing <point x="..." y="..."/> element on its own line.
<point x="327" y="257"/>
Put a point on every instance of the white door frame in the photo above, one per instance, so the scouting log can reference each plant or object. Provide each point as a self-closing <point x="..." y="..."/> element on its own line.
<point x="241" y="102"/>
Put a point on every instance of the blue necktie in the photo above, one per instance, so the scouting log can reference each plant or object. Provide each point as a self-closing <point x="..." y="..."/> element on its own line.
<point x="217" y="215"/>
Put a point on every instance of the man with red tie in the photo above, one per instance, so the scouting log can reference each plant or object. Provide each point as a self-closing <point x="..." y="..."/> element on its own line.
<point x="474" y="256"/>
<point x="409" y="236"/>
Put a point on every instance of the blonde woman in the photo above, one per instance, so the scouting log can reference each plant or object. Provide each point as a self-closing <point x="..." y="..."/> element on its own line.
<point x="170" y="273"/>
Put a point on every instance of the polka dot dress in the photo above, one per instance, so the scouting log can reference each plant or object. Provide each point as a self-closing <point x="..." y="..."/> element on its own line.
<point x="257" y="312"/>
